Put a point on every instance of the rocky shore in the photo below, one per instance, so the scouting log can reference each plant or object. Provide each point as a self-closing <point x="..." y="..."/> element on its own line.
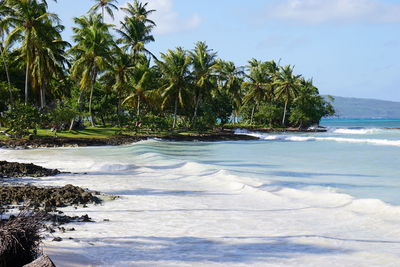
<point x="20" y="235"/>
<point x="119" y="140"/>
<point x="69" y="142"/>
<point x="47" y="198"/>
<point x="18" y="170"/>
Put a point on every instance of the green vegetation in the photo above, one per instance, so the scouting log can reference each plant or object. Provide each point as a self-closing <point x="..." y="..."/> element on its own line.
<point x="115" y="81"/>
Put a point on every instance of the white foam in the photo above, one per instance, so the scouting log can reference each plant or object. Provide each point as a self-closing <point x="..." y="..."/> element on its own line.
<point x="355" y="131"/>
<point x="215" y="217"/>
<point x="298" y="138"/>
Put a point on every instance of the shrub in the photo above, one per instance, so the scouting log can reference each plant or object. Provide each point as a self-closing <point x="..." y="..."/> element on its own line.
<point x="60" y="117"/>
<point x="22" y="118"/>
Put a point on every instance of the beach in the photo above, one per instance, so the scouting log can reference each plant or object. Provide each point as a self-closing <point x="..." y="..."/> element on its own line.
<point x="280" y="201"/>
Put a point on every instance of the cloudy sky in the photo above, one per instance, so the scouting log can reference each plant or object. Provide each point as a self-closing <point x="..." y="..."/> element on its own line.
<point x="349" y="47"/>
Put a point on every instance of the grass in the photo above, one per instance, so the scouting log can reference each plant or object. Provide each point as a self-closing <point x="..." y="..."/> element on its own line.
<point x="89" y="132"/>
<point x="104" y="132"/>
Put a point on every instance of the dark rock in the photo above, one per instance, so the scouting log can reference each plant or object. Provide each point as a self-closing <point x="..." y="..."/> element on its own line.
<point x="64" y="219"/>
<point x="70" y="142"/>
<point x="57" y="239"/>
<point x="14" y="169"/>
<point x="46" y="198"/>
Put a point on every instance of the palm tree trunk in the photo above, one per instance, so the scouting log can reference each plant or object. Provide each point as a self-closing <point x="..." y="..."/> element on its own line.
<point x="80" y="98"/>
<point x="118" y="110"/>
<point x="252" y="114"/>
<point x="26" y="82"/>
<point x="91" y="98"/>
<point x="138" y="106"/>
<point x="42" y="96"/>
<point x="175" y="112"/>
<point x="196" y="108"/>
<point x="7" y="74"/>
<point x="284" y="113"/>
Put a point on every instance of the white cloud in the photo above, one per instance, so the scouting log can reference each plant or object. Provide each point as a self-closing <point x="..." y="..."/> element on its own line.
<point x="342" y="11"/>
<point x="167" y="19"/>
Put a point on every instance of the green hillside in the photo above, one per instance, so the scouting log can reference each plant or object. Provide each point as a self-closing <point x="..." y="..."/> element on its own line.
<point x="349" y="107"/>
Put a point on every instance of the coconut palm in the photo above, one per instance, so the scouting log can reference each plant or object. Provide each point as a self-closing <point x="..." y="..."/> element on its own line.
<point x="118" y="75"/>
<point x="139" y="11"/>
<point x="4" y="29"/>
<point x="203" y="63"/>
<point x="50" y="61"/>
<point x="136" y="29"/>
<point x="258" y="84"/>
<point x="141" y="83"/>
<point x="30" y="20"/>
<point x="174" y="68"/>
<point x="91" y="52"/>
<point x="135" y="35"/>
<point x="105" y="5"/>
<point x="231" y="78"/>
<point x="287" y="87"/>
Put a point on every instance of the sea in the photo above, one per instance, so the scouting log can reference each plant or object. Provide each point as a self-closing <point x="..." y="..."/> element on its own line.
<point x="288" y="199"/>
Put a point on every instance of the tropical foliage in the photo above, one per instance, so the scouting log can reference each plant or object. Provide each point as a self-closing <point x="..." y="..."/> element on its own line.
<point x="115" y="80"/>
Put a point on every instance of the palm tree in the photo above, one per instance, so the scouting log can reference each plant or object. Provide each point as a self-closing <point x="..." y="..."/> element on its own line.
<point x="136" y="29"/>
<point x="91" y="52"/>
<point x="139" y="11"/>
<point x="105" y="5"/>
<point x="258" y="84"/>
<point x="4" y="28"/>
<point x="287" y="87"/>
<point x="30" y="20"/>
<point x="118" y="74"/>
<point x="175" y="71"/>
<point x="203" y="62"/>
<point x="231" y="79"/>
<point x="50" y="61"/>
<point x="141" y="83"/>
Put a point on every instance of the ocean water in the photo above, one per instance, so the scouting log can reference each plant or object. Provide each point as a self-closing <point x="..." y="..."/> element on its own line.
<point x="296" y="199"/>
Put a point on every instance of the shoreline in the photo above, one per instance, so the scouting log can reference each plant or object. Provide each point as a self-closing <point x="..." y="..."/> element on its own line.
<point x="46" y="203"/>
<point x="169" y="208"/>
<point x="118" y="140"/>
<point x="220" y="136"/>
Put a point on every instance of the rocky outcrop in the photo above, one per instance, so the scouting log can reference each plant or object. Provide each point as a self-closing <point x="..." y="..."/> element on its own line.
<point x="46" y="198"/>
<point x="17" y="170"/>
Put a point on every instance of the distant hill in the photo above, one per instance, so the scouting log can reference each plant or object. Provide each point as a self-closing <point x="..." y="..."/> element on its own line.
<point x="349" y="107"/>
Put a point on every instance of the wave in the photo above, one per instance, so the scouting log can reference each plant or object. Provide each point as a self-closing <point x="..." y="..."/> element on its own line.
<point x="265" y="190"/>
<point x="354" y="131"/>
<point x="298" y="138"/>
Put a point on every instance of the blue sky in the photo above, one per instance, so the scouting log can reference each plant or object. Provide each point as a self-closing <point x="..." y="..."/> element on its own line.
<point x="349" y="47"/>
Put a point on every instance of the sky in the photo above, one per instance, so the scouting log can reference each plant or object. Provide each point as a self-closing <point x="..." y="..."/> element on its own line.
<point x="348" y="47"/>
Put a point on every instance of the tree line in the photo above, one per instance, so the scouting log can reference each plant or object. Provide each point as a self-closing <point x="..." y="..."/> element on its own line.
<point x="113" y="79"/>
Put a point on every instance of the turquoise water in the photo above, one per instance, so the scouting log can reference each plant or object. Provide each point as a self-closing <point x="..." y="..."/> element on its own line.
<point x="296" y="199"/>
<point x="390" y="123"/>
<point x="362" y="162"/>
